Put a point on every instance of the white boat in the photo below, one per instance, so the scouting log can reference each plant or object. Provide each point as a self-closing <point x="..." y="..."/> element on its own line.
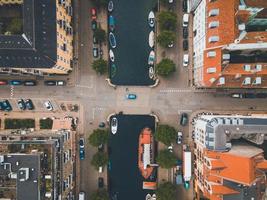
<point x="151" y="72"/>
<point x="110" y="6"/>
<point x="151" y="39"/>
<point x="154" y="197"/>
<point x="151" y="58"/>
<point x="151" y="19"/>
<point x="111" y="55"/>
<point x="148" y="197"/>
<point x="114" y="125"/>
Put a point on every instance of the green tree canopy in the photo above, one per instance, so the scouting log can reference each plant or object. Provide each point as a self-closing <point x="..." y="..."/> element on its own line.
<point x="99" y="136"/>
<point x="15" y="26"/>
<point x="165" y="68"/>
<point x="166" y="159"/>
<point x="164" y="2"/>
<point x="100" y="66"/>
<point x="99" y="159"/>
<point x="167" y="20"/>
<point x="100" y="35"/>
<point x="100" y="3"/>
<point x="100" y="194"/>
<point x="165" y="38"/>
<point x="166" y="191"/>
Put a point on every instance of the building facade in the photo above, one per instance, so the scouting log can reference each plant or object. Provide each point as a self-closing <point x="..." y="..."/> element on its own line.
<point x="230" y="41"/>
<point x="44" y="45"/>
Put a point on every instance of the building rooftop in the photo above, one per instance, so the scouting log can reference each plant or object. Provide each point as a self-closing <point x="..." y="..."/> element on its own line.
<point x="37" y="46"/>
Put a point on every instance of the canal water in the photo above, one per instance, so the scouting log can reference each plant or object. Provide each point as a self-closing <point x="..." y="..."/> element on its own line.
<point x="132" y="51"/>
<point x="124" y="178"/>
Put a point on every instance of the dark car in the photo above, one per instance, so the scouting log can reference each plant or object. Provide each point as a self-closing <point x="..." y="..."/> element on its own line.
<point x="184" y="119"/>
<point x="21" y="104"/>
<point x="95" y="52"/>
<point x="185" y="32"/>
<point x="100" y="182"/>
<point x="30" y="83"/>
<point x="185" y="5"/>
<point x="6" y="105"/>
<point x="29" y="104"/>
<point x="81" y="145"/>
<point x="50" y="83"/>
<point x="93" y="13"/>
<point x="94" y="25"/>
<point x="95" y="41"/>
<point x="185" y="45"/>
<point x="15" y="82"/>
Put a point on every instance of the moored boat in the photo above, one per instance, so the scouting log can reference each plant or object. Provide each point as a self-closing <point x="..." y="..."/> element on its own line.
<point x="110" y="6"/>
<point x="112" y="40"/>
<point x="151" y="72"/>
<point x="151" y="19"/>
<point x="111" y="55"/>
<point x="145" y="152"/>
<point x="154" y="197"/>
<point x="151" y="39"/>
<point x="151" y="58"/>
<point x="114" y="125"/>
<point x="111" y="23"/>
<point x="148" y="197"/>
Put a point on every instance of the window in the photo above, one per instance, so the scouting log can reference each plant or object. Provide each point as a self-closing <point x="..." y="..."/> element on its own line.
<point x="213" y="39"/>
<point x="211" y="54"/>
<point x="211" y="70"/>
<point x="213" y="24"/>
<point x="214" y="12"/>
<point x="247" y="68"/>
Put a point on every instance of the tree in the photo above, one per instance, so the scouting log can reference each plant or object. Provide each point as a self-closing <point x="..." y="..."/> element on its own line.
<point x="166" y="159"/>
<point x="164" y="2"/>
<point x="100" y="66"/>
<point x="15" y="26"/>
<point x="99" y="159"/>
<point x="167" y="20"/>
<point x="165" y="67"/>
<point x="100" y="194"/>
<point x="166" y="191"/>
<point x="165" y="38"/>
<point x="100" y="35"/>
<point x="100" y="3"/>
<point x="98" y="137"/>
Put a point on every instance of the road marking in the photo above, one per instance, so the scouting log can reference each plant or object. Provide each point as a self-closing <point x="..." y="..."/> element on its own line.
<point x="84" y="86"/>
<point x="11" y="91"/>
<point x="96" y="109"/>
<point x="184" y="111"/>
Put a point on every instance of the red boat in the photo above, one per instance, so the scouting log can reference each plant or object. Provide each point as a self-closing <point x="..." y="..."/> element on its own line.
<point x="145" y="152"/>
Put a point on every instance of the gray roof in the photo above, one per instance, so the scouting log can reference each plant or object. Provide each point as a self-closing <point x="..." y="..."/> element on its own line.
<point x="25" y="189"/>
<point x="37" y="46"/>
<point x="245" y="192"/>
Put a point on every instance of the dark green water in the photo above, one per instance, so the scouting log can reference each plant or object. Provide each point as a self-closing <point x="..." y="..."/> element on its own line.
<point x="125" y="179"/>
<point x="131" y="32"/>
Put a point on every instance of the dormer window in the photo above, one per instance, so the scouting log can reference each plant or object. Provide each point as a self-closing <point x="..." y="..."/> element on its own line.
<point x="247" y="81"/>
<point x="247" y="68"/>
<point x="258" y="68"/>
<point x="213" y="39"/>
<point x="211" y="54"/>
<point x="214" y="12"/>
<point x="213" y="24"/>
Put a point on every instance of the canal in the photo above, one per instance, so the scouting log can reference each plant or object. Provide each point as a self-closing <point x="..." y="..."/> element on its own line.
<point x="124" y="178"/>
<point x="132" y="51"/>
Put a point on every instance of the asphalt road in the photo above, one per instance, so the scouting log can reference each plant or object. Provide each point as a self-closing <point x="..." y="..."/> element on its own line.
<point x="167" y="101"/>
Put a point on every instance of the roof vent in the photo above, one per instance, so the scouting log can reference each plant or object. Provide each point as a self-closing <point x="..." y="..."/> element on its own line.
<point x="247" y="81"/>
<point x="213" y="39"/>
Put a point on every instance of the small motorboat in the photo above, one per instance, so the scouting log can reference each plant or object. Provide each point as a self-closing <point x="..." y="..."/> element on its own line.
<point x="111" y="55"/>
<point x="112" y="40"/>
<point x="151" y="39"/>
<point x="111" y="22"/>
<point x="113" y="70"/>
<point x="151" y="58"/>
<point x="148" y="197"/>
<point x="151" y="72"/>
<point x="154" y="197"/>
<point x="151" y="19"/>
<point x="114" y="125"/>
<point x="110" y="6"/>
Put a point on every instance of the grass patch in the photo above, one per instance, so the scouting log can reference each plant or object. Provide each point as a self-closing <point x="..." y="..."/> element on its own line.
<point x="46" y="123"/>
<point x="19" y="123"/>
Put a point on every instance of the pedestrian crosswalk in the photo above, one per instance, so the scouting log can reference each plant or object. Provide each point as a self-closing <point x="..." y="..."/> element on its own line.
<point x="11" y="91"/>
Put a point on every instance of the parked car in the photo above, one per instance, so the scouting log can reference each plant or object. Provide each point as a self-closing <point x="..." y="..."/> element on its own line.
<point x="185" y="32"/>
<point x="170" y="1"/>
<point x="184" y="5"/>
<point x="170" y="148"/>
<point x="30" y="83"/>
<point x="81" y="196"/>
<point x="179" y="137"/>
<point x="94" y="25"/>
<point x="2" y="82"/>
<point x="50" y="83"/>
<point x="15" y="82"/>
<point x="93" y="13"/>
<point x="60" y="83"/>
<point x="100" y="169"/>
<point x="131" y="96"/>
<point x="95" y="41"/>
<point x="29" y="105"/>
<point x="185" y="60"/>
<point x="95" y="52"/>
<point x="184" y="119"/>
<point x="185" y="45"/>
<point x="185" y="20"/>
<point x="171" y="44"/>
<point x="6" y="105"/>
<point x="21" y="104"/>
<point x="81" y="145"/>
<point x="82" y="153"/>
<point x="100" y="182"/>
<point x="48" y="105"/>
<point x="2" y="106"/>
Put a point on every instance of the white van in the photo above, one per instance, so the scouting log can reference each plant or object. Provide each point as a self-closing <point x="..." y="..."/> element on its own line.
<point x="185" y="60"/>
<point x="100" y="169"/>
<point x="185" y="20"/>
<point x="81" y="196"/>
